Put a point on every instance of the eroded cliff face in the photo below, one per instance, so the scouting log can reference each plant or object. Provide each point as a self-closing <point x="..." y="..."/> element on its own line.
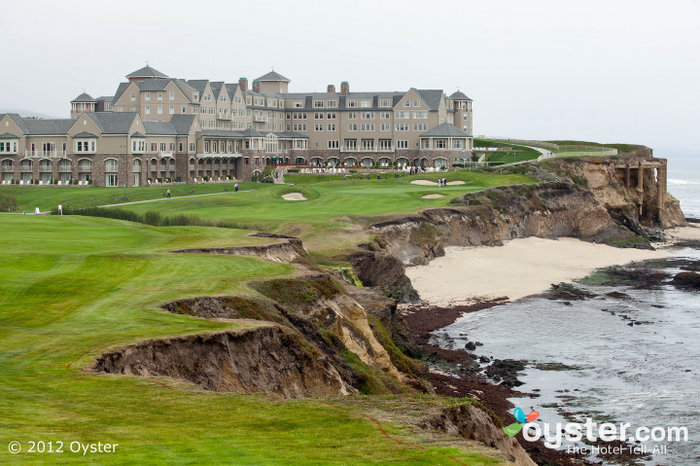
<point x="606" y="181"/>
<point x="495" y="215"/>
<point x="267" y="359"/>
<point x="475" y="424"/>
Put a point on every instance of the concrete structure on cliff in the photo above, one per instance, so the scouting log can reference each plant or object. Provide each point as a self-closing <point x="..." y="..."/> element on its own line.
<point x="157" y="127"/>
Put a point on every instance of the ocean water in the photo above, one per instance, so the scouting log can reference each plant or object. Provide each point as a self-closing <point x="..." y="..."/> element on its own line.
<point x="646" y="374"/>
<point x="684" y="182"/>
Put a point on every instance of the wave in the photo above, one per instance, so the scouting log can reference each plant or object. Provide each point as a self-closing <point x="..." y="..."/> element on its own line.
<point x="677" y="181"/>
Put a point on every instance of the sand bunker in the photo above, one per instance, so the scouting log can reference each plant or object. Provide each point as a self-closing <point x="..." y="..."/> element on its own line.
<point x="293" y="197"/>
<point x="432" y="196"/>
<point x="433" y="183"/>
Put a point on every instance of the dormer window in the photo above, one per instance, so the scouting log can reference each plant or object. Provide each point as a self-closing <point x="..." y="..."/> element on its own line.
<point x="365" y="104"/>
<point x="318" y="104"/>
<point x="8" y="147"/>
<point x="352" y="103"/>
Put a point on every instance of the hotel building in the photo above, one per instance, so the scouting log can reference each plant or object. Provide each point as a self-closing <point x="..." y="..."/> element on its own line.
<point x="157" y="128"/>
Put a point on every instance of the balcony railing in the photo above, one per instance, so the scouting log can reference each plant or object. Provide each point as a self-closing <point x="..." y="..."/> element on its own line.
<point x="44" y="153"/>
<point x="366" y="149"/>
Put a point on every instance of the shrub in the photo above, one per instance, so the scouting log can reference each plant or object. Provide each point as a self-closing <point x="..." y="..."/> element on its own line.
<point x="8" y="202"/>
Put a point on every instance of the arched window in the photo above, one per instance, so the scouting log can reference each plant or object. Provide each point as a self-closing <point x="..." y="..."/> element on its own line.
<point x="111" y="175"/>
<point x="136" y="165"/>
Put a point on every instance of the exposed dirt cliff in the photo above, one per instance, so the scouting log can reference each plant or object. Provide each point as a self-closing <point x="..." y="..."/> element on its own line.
<point x="473" y="423"/>
<point x="267" y="359"/>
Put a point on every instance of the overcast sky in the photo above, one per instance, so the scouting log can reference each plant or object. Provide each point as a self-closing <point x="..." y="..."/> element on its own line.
<point x="608" y="71"/>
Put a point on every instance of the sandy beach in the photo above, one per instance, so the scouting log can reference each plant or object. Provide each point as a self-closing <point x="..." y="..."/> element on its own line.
<point x="519" y="268"/>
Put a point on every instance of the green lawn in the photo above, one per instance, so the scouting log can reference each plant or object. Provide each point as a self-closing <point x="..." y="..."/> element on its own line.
<point x="328" y="220"/>
<point x="48" y="197"/>
<point x="71" y="287"/>
<point x="518" y="154"/>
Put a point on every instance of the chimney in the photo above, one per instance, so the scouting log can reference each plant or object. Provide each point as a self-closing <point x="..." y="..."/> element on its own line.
<point x="243" y="84"/>
<point x="331" y="89"/>
<point x="345" y="88"/>
<point x="256" y="86"/>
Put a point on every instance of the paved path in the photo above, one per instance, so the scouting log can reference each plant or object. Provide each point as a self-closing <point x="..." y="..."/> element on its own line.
<point x="174" y="197"/>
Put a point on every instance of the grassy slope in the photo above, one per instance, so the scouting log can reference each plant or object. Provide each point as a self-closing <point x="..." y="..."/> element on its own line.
<point x="621" y="148"/>
<point x="518" y="154"/>
<point x="327" y="220"/>
<point x="76" y="285"/>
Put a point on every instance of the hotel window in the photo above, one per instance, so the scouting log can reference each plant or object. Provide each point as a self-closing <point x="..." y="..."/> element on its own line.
<point x="195" y="95"/>
<point x="352" y="127"/>
<point x="82" y="146"/>
<point x="138" y="145"/>
<point x="464" y="117"/>
<point x="351" y="144"/>
<point x="171" y="110"/>
<point x="365" y="104"/>
<point x="318" y="127"/>
<point x="331" y="127"/>
<point x="416" y="103"/>
<point x="420" y="127"/>
<point x="163" y="147"/>
<point x="332" y="104"/>
<point x="440" y="143"/>
<point x="160" y="110"/>
<point x="352" y="103"/>
<point x="332" y="144"/>
<point x="154" y="146"/>
<point x="352" y="115"/>
<point x="331" y="116"/>
<point x="180" y="146"/>
<point x="385" y="127"/>
<point x="402" y="115"/>
<point x="385" y="144"/>
<point x="457" y="143"/>
<point x="402" y="126"/>
<point x="171" y="96"/>
<point x="160" y="95"/>
<point x="183" y="109"/>
<point x="148" y="109"/>
<point x="172" y="146"/>
<point x="298" y="105"/>
<point x="133" y="109"/>
<point x="384" y="115"/>
<point x="402" y="144"/>
<point x="111" y="169"/>
<point x="367" y="126"/>
<point x="133" y="97"/>
<point x="420" y="115"/>
<point x="368" y="144"/>
<point x="318" y="104"/>
<point x="367" y="115"/>
<point x="318" y="116"/>
<point x="148" y="96"/>
<point x="407" y="103"/>
<point x="384" y="103"/>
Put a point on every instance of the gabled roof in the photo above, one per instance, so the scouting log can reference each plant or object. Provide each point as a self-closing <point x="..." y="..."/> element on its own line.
<point x="113" y="122"/>
<point x="36" y="126"/>
<point x="182" y="123"/>
<point x="154" y="84"/>
<point x="146" y="72"/>
<point x="198" y="84"/>
<point x="231" y="88"/>
<point x="216" y="88"/>
<point x="84" y="98"/>
<point x="160" y="128"/>
<point x="137" y="135"/>
<point x="18" y="120"/>
<point x="121" y="89"/>
<point x="459" y="95"/>
<point x="272" y="76"/>
<point x="251" y="133"/>
<point x="446" y="130"/>
<point x="85" y="134"/>
<point x="431" y="97"/>
<point x="8" y="136"/>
